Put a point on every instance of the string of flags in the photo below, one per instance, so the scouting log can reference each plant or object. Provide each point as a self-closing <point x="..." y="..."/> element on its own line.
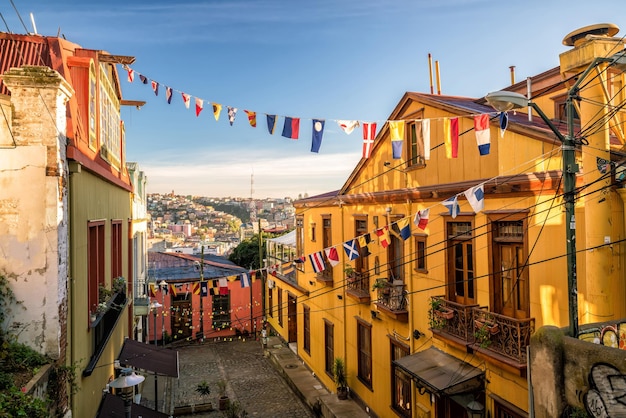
<point x="291" y="125"/>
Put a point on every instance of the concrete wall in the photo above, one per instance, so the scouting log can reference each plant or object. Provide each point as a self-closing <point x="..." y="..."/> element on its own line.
<point x="566" y="372"/>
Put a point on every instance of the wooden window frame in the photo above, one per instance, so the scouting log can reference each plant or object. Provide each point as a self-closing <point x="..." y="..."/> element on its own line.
<point x="329" y="347"/>
<point x="364" y="353"/>
<point x="396" y="375"/>
<point x="420" y="252"/>
<point x="95" y="260"/>
<point x="306" y="325"/>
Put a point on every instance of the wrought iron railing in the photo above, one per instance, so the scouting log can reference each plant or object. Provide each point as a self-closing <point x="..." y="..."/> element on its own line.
<point x="391" y="295"/>
<point x="502" y="334"/>
<point x="358" y="282"/>
<point x="459" y="324"/>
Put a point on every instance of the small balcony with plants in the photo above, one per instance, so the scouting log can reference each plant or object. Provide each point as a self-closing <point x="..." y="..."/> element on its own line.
<point x="357" y="284"/>
<point x="391" y="298"/>
<point x="451" y="320"/>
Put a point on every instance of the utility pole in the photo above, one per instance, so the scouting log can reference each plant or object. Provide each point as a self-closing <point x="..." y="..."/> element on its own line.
<point x="201" y="303"/>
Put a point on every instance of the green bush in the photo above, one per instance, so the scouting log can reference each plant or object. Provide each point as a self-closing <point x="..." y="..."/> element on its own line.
<point x="15" y="404"/>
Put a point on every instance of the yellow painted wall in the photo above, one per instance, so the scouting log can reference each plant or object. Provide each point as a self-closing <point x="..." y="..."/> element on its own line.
<point x="92" y="198"/>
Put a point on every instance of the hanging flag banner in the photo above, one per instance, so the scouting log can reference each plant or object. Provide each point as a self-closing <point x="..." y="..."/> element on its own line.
<point x="317" y="261"/>
<point x="196" y="288"/>
<point x="452" y="205"/>
<point x="451" y="136"/>
<point x="425" y="135"/>
<point x="186" y="99"/>
<point x="351" y="249"/>
<point x="421" y="218"/>
<point x="404" y="225"/>
<point x="476" y="197"/>
<point x="318" y="132"/>
<point x="271" y="123"/>
<point x="504" y="123"/>
<point x="383" y="236"/>
<point x="348" y="125"/>
<point x="251" y="117"/>
<point x="369" y="133"/>
<point x="131" y="75"/>
<point x="332" y="256"/>
<point x="481" y="126"/>
<point x="291" y="129"/>
<point x="199" y="106"/>
<point x="396" y="131"/>
<point x="143" y="79"/>
<point x="204" y="288"/>
<point x="168" y="94"/>
<point x="232" y="112"/>
<point x="245" y="280"/>
<point x="155" y="87"/>
<point x="217" y="109"/>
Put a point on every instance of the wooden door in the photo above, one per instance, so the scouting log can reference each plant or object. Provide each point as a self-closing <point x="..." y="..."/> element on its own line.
<point x="292" y="318"/>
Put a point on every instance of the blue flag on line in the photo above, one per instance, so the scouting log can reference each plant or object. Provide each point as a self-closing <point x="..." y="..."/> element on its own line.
<point x="318" y="132"/>
<point x="245" y="280"/>
<point x="271" y="123"/>
<point x="453" y="206"/>
<point x="351" y="249"/>
<point x="204" y="289"/>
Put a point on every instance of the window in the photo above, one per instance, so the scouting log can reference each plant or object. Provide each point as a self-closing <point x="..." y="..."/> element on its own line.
<point x="110" y="122"/>
<point x="306" y="344"/>
<point x="95" y="262"/>
<point x="415" y="141"/>
<point x="360" y="230"/>
<point x="460" y="252"/>
<point x="364" y="335"/>
<point x="270" y="297"/>
<point x="327" y="273"/>
<point x="509" y="284"/>
<point x="560" y="110"/>
<point x="116" y="248"/>
<point x="300" y="241"/>
<point x="92" y="107"/>
<point x="420" y="253"/>
<point x="401" y="382"/>
<point x="312" y="231"/>
<point x="329" y="347"/>
<point x="280" y="306"/>
<point x="395" y="255"/>
<point x="221" y="311"/>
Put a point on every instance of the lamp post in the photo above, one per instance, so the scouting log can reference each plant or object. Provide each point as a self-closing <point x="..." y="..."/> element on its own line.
<point x="155" y="305"/>
<point x="507" y="100"/>
<point x="163" y="286"/>
<point x="127" y="382"/>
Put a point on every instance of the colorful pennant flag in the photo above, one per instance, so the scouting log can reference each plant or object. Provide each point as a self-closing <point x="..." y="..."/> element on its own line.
<point x="405" y="228"/>
<point x="332" y="256"/>
<point x="364" y="241"/>
<point x="425" y="132"/>
<point x="318" y="132"/>
<point x="348" y="125"/>
<point x="481" y="126"/>
<point x="173" y="290"/>
<point x="317" y="261"/>
<point x="351" y="249"/>
<point x="369" y="133"/>
<point x="421" y="218"/>
<point x="152" y="290"/>
<point x="131" y="75"/>
<point x="143" y="79"/>
<point x="232" y="112"/>
<point x="453" y="206"/>
<point x="451" y="136"/>
<point x="217" y="109"/>
<point x="223" y="284"/>
<point x="291" y="129"/>
<point x="199" y="106"/>
<point x="155" y="87"/>
<point x="396" y="131"/>
<point x="383" y="236"/>
<point x="186" y="99"/>
<point x="476" y="197"/>
<point x="245" y="280"/>
<point x="196" y="288"/>
<point x="168" y="94"/>
<point x="204" y="288"/>
<point x="504" y="123"/>
<point x="251" y="117"/>
<point x="271" y="123"/>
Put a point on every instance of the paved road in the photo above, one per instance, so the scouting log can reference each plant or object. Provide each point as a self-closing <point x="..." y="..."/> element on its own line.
<point x="251" y="380"/>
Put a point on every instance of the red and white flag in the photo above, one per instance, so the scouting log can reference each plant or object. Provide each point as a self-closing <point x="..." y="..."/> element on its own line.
<point x="186" y="99"/>
<point x="369" y="133"/>
<point x="155" y="87"/>
<point x="131" y="75"/>
<point x="332" y="255"/>
<point x="199" y="106"/>
<point x="348" y="125"/>
<point x="317" y="261"/>
<point x="421" y="218"/>
<point x="483" y="137"/>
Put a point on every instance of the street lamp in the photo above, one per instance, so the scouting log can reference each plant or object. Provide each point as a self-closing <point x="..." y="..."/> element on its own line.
<point x="163" y="286"/>
<point x="155" y="305"/>
<point x="126" y="382"/>
<point x="508" y="100"/>
<point x="475" y="409"/>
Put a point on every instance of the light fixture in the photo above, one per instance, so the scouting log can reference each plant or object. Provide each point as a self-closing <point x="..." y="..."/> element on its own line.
<point x="339" y="297"/>
<point x="126" y="382"/>
<point x="475" y="409"/>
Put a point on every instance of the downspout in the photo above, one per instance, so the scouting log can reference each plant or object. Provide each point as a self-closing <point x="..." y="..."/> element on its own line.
<point x="345" y="315"/>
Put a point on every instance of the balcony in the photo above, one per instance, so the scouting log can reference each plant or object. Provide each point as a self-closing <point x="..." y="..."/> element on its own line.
<point x="501" y="337"/>
<point x="358" y="286"/>
<point x="391" y="299"/>
<point x="326" y="276"/>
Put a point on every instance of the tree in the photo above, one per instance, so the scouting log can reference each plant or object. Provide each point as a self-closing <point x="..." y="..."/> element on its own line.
<point x="246" y="254"/>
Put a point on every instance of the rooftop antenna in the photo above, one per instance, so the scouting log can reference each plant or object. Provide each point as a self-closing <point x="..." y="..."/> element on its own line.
<point x="32" y="20"/>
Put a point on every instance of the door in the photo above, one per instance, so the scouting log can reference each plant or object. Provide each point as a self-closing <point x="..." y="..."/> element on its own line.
<point x="512" y="280"/>
<point x="292" y="318"/>
<point x="461" y="284"/>
<point x="181" y="317"/>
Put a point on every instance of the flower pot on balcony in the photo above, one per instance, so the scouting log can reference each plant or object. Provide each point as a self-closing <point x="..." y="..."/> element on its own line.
<point x="444" y="313"/>
<point x="492" y="327"/>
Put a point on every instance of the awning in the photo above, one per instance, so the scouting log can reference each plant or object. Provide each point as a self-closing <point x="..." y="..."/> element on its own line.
<point x="113" y="407"/>
<point x="287" y="239"/>
<point x="440" y="373"/>
<point x="148" y="357"/>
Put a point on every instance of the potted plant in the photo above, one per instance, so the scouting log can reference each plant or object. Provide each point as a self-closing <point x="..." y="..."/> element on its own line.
<point x="350" y="273"/>
<point x="223" y="400"/>
<point x="119" y="285"/>
<point x="482" y="336"/>
<point x="341" y="381"/>
<point x="439" y="314"/>
<point x="380" y="284"/>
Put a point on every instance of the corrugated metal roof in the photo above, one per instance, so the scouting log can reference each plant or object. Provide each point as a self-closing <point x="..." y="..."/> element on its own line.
<point x="18" y="50"/>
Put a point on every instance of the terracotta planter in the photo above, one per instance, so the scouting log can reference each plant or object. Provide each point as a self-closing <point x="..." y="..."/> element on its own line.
<point x="444" y="313"/>
<point x="223" y="403"/>
<point x="342" y="393"/>
<point x="493" y="328"/>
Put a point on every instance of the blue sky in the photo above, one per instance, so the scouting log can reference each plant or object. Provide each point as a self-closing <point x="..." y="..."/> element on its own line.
<point x="326" y="59"/>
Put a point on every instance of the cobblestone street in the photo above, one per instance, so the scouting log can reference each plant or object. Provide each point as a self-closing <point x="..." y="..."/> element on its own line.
<point x="251" y="380"/>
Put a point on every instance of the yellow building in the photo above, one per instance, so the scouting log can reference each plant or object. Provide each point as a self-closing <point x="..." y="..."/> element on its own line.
<point x="435" y="320"/>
